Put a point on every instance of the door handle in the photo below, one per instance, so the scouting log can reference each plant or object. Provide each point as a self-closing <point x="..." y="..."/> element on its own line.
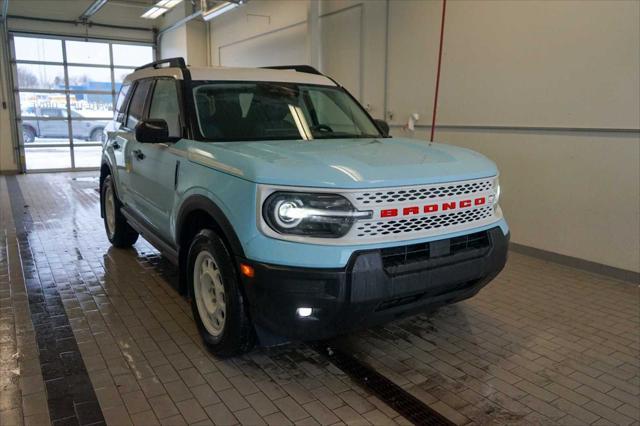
<point x="115" y="145"/>
<point x="139" y="154"/>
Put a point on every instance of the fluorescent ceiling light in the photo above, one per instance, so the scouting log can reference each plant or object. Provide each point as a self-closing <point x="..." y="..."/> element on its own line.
<point x="219" y="10"/>
<point x="153" y="13"/>
<point x="159" y="8"/>
<point x="168" y="3"/>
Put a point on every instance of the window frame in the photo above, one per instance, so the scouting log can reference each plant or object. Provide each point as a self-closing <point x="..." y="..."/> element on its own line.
<point x="69" y="91"/>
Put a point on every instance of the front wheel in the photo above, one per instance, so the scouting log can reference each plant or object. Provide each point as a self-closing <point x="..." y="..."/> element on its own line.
<point x="217" y="303"/>
<point x="119" y="232"/>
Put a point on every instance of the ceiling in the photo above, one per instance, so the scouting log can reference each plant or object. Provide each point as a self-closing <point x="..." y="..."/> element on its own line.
<point x="114" y="12"/>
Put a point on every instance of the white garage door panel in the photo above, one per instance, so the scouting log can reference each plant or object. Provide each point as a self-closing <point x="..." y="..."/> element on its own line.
<point x="284" y="47"/>
<point x="541" y="63"/>
<point x="340" y="54"/>
<point x="414" y="35"/>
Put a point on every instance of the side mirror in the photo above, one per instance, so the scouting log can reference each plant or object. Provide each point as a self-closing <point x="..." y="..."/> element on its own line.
<point x="152" y="131"/>
<point x="383" y="126"/>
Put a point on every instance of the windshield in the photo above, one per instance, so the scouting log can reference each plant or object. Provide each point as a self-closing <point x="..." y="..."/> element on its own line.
<point x="230" y="111"/>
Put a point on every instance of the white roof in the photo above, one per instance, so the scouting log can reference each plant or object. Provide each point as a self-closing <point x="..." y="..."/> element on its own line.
<point x="235" y="74"/>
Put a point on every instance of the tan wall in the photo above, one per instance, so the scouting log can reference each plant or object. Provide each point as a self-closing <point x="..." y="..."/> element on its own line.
<point x="572" y="193"/>
<point x="7" y="156"/>
<point x="558" y="64"/>
<point x="520" y="65"/>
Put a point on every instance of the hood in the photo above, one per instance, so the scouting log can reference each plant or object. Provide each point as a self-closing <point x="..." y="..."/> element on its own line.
<point x="345" y="163"/>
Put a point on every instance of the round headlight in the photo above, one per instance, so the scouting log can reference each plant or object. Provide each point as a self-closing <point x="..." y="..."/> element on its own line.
<point x="310" y="214"/>
<point x="288" y="213"/>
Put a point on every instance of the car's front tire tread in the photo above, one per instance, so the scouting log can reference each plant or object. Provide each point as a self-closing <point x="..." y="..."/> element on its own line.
<point x="238" y="335"/>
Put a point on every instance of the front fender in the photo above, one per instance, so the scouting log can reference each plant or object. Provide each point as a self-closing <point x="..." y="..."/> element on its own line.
<point x="203" y="200"/>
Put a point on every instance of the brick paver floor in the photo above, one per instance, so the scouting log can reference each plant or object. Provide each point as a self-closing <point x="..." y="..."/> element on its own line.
<point x="542" y="344"/>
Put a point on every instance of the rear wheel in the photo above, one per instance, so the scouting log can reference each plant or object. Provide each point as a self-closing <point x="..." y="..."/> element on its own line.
<point x="97" y="135"/>
<point x="217" y="303"/>
<point x="28" y="134"/>
<point x="119" y="232"/>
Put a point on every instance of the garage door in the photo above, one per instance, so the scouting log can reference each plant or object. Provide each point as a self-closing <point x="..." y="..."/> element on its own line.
<point x="65" y="90"/>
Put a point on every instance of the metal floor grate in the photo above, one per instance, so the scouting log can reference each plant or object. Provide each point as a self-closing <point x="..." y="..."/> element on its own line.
<point x="391" y="394"/>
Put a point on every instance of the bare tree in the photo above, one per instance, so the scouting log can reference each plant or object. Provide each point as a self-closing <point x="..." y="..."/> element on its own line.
<point x="26" y="78"/>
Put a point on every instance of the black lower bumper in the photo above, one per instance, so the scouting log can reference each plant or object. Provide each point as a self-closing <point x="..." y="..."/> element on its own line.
<point x="375" y="287"/>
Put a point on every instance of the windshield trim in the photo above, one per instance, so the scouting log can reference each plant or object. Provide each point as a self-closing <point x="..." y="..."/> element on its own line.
<point x="197" y="132"/>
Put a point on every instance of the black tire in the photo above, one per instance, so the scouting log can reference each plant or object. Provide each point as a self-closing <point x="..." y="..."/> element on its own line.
<point x="122" y="235"/>
<point x="97" y="135"/>
<point x="237" y="335"/>
<point x="28" y="134"/>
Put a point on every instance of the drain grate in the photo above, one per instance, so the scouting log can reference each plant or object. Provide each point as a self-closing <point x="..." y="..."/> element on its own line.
<point x="393" y="395"/>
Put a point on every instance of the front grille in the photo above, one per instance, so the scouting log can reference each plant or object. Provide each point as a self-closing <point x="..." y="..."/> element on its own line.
<point x="424" y="223"/>
<point x="393" y="257"/>
<point x="423" y="192"/>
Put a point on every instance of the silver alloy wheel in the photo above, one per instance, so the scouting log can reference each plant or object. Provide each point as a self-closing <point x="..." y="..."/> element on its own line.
<point x="110" y="210"/>
<point x="209" y="293"/>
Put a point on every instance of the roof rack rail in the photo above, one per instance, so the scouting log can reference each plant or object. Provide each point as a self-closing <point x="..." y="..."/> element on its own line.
<point x="173" y="62"/>
<point x="299" y="68"/>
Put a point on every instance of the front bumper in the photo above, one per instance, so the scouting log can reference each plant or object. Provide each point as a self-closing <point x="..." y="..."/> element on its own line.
<point x="376" y="286"/>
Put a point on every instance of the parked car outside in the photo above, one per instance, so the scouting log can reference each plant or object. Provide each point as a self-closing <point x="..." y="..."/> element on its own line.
<point x="290" y="212"/>
<point x="51" y="122"/>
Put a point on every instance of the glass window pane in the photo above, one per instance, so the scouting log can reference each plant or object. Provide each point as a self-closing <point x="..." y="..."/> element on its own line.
<point x="119" y="74"/>
<point x="32" y="103"/>
<point x="88" y="131"/>
<point x="92" y="104"/>
<point x="90" y="78"/>
<point x="131" y="55"/>
<point x="164" y="105"/>
<point x="120" y="103"/>
<point x="87" y="156"/>
<point x="38" y="49"/>
<point x="30" y="76"/>
<point x="136" y="106"/>
<point x="38" y="131"/>
<point x="41" y="158"/>
<point x="83" y="52"/>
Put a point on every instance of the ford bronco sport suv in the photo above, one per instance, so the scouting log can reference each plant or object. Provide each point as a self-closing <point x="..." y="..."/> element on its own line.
<point x="291" y="213"/>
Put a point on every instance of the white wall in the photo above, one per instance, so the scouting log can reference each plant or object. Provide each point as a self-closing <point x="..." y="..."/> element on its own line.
<point x="261" y="33"/>
<point x="532" y="84"/>
<point x="174" y="43"/>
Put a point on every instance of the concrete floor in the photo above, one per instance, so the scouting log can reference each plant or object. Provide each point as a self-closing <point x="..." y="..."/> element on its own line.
<point x="90" y="334"/>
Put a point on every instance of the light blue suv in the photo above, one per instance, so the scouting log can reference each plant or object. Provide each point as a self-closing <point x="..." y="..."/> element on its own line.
<point x="291" y="213"/>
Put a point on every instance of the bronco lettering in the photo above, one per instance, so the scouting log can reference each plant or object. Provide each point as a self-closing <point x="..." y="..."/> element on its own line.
<point x="431" y="208"/>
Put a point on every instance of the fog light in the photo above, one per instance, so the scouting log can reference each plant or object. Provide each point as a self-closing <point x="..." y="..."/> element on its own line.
<point x="304" y="312"/>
